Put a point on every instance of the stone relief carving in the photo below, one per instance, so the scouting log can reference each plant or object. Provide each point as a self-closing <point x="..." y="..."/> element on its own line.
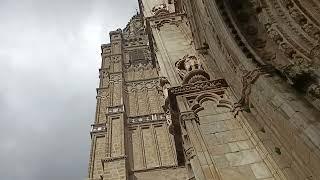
<point x="315" y="52"/>
<point x="190" y="70"/>
<point x="300" y="18"/>
<point x="116" y="78"/>
<point x="314" y="90"/>
<point x="103" y="93"/>
<point x="115" y="109"/>
<point x="98" y="128"/>
<point x="140" y="85"/>
<point x="198" y="87"/>
<point x="308" y="33"/>
<point x="299" y="66"/>
<point x="103" y="73"/>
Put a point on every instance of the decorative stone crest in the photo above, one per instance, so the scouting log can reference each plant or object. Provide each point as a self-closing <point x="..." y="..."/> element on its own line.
<point x="190" y="70"/>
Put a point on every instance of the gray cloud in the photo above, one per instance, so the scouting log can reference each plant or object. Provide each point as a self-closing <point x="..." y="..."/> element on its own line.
<point x="49" y="60"/>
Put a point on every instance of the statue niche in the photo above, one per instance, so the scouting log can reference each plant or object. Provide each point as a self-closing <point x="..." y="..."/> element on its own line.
<point x="190" y="70"/>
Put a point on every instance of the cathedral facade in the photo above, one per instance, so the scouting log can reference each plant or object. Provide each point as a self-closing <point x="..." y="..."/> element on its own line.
<point x="210" y="90"/>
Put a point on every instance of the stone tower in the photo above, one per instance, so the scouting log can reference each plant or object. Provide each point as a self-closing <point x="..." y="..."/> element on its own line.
<point x="210" y="89"/>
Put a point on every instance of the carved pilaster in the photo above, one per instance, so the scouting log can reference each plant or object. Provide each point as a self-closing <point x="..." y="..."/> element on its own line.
<point x="195" y="149"/>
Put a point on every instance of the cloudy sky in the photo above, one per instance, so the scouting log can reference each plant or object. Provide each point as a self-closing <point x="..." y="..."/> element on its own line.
<point x="49" y="60"/>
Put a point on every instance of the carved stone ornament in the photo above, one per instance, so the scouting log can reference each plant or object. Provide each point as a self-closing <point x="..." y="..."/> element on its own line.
<point x="165" y="17"/>
<point x="164" y="86"/>
<point x="248" y="79"/>
<point x="160" y="10"/>
<point x="115" y="78"/>
<point x="315" y="52"/>
<point x="314" y="90"/>
<point x="98" y="128"/>
<point x="298" y="68"/>
<point x="189" y="153"/>
<point x="113" y="159"/>
<point x="190" y="70"/>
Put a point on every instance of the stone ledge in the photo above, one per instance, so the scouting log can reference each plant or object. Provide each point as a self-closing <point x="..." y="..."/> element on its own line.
<point x="158" y="168"/>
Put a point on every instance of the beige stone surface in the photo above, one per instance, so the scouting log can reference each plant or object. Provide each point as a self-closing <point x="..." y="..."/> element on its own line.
<point x="210" y="89"/>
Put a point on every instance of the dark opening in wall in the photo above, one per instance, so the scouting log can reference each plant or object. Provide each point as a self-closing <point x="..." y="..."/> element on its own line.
<point x="277" y="150"/>
<point x="302" y="82"/>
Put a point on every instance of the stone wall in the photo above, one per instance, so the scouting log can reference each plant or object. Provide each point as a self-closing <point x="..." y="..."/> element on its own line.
<point x="284" y="125"/>
<point x="151" y="146"/>
<point x="115" y="169"/>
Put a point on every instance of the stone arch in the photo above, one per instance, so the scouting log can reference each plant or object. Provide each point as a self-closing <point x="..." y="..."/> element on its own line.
<point x="219" y="101"/>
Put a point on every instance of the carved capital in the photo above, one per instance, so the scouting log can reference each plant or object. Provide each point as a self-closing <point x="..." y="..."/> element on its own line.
<point x="188" y="116"/>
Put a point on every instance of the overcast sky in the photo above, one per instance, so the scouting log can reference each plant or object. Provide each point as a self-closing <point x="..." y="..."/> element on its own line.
<point x="49" y="60"/>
